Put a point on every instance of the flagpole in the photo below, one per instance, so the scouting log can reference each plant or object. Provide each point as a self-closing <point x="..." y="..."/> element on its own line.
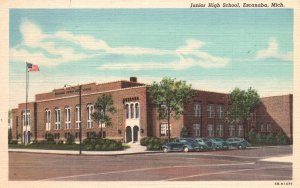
<point x="25" y="138"/>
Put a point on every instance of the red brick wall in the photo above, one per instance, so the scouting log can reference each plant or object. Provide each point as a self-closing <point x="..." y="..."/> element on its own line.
<point x="17" y="119"/>
<point x="204" y="98"/>
<point x="118" y="118"/>
<point x="278" y="112"/>
<point x="275" y="110"/>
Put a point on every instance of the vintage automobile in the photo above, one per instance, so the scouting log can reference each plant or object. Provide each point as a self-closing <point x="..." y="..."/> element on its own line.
<point x="239" y="143"/>
<point x="181" y="144"/>
<point x="204" y="144"/>
<point x="218" y="144"/>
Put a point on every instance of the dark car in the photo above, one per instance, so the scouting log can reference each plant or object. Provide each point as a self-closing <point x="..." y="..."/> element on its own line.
<point x="218" y="143"/>
<point x="239" y="143"/>
<point x="204" y="144"/>
<point x="181" y="145"/>
<point x="208" y="142"/>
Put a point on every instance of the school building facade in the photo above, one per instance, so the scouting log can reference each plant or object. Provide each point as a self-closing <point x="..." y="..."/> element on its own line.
<point x="57" y="113"/>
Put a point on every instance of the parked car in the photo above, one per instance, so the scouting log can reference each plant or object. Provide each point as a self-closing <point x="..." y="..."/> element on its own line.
<point x="239" y="143"/>
<point x="204" y="144"/>
<point x="181" y="145"/>
<point x="198" y="145"/>
<point x="218" y="143"/>
<point x="209" y="143"/>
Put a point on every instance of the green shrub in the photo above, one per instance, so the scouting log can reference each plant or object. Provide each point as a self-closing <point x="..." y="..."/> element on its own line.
<point x="281" y="139"/>
<point x="99" y="144"/>
<point x="251" y="137"/>
<point x="60" y="142"/>
<point x="258" y="138"/>
<point x="70" y="139"/>
<point x="89" y="147"/>
<point x="13" y="142"/>
<point x="270" y="139"/>
<point x="152" y="143"/>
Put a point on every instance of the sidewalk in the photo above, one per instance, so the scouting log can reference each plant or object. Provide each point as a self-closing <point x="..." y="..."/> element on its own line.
<point x="281" y="159"/>
<point x="135" y="148"/>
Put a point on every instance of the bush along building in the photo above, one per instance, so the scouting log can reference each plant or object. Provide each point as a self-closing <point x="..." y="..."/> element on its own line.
<point x="57" y="114"/>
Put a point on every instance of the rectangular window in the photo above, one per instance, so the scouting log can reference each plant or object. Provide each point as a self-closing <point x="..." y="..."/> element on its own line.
<point x="56" y="136"/>
<point x="231" y="130"/>
<point x="197" y="110"/>
<point x="164" y="129"/>
<point x="48" y="119"/>
<point x="77" y="117"/>
<point x="210" y="130"/>
<point x="220" y="111"/>
<point x="262" y="128"/>
<point x="131" y="111"/>
<point x="127" y="111"/>
<point x="137" y="110"/>
<point x="57" y="119"/>
<point x="68" y="118"/>
<point x="26" y="118"/>
<point x="210" y="111"/>
<point x="90" y="111"/>
<point x="220" y="130"/>
<point x="196" y="129"/>
<point x="67" y="135"/>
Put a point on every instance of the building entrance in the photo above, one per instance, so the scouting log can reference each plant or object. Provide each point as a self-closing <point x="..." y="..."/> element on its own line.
<point x="128" y="134"/>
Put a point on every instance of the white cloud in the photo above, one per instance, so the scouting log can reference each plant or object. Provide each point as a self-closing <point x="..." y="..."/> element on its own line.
<point x="32" y="34"/>
<point x="46" y="50"/>
<point x="192" y="55"/>
<point x="188" y="55"/>
<point x="33" y="37"/>
<point x="272" y="51"/>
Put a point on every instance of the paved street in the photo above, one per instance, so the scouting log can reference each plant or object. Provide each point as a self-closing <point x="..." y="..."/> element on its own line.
<point x="193" y="166"/>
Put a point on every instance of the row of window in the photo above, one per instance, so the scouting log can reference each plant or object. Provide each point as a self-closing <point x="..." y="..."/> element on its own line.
<point x="26" y="118"/>
<point x="266" y="127"/>
<point x="218" y="130"/>
<point x="212" y="110"/>
<point x="67" y="112"/>
<point x="132" y="110"/>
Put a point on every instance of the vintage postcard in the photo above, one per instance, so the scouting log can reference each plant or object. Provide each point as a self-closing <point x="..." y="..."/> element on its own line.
<point x="149" y="93"/>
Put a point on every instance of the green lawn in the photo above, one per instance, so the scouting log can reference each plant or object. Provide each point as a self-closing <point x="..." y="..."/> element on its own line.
<point x="51" y="146"/>
<point x="45" y="146"/>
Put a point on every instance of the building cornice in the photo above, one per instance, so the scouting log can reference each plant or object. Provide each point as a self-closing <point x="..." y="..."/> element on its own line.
<point x="88" y="94"/>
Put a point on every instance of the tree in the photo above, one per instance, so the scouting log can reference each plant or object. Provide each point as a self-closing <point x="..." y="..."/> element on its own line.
<point x="103" y="106"/>
<point x="9" y="135"/>
<point x="242" y="105"/>
<point x="184" y="132"/>
<point x="169" y="96"/>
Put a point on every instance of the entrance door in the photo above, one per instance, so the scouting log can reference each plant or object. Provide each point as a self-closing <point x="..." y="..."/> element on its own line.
<point x="135" y="133"/>
<point x="128" y="134"/>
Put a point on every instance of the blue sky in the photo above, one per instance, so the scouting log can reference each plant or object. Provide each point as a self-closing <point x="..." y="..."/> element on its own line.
<point x="212" y="49"/>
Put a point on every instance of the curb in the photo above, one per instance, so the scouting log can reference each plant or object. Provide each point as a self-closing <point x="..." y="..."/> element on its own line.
<point x="83" y="154"/>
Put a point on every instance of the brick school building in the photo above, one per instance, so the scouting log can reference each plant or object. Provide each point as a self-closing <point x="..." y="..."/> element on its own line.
<point x="57" y="113"/>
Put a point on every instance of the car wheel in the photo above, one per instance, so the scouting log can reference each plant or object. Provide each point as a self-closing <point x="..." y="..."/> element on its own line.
<point x="240" y="147"/>
<point x="185" y="149"/>
<point x="165" y="150"/>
